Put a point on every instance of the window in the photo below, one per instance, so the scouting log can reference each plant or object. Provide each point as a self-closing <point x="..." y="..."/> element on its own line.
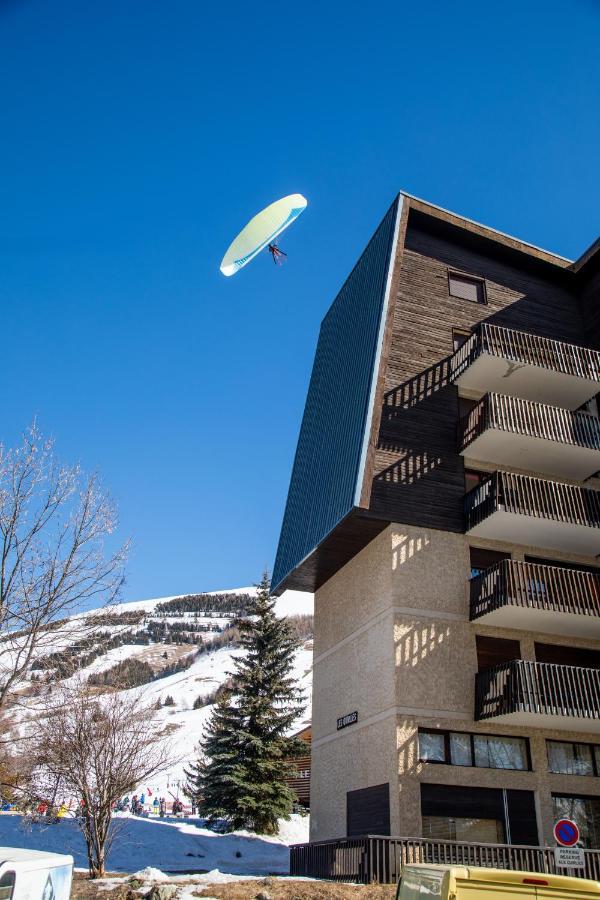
<point x="432" y="746"/>
<point x="461" y="752"/>
<point x="451" y="828"/>
<point x="493" y="651"/>
<point x="7" y="885"/>
<point x="566" y="758"/>
<point x="473" y="479"/>
<point x="493" y="752"/>
<point x="485" y="751"/>
<point x="459" y="337"/>
<point x="567" y="656"/>
<point x="466" y="287"/>
<point x="585" y="811"/>
<point x="484" y="815"/>
<point x="484" y="559"/>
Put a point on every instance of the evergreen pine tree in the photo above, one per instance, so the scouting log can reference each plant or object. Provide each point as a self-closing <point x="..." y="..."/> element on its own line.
<point x="248" y="753"/>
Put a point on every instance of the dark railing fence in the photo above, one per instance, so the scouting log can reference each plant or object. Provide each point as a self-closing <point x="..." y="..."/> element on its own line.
<point x="522" y="417"/>
<point x="523" y="686"/>
<point x="536" y="497"/>
<point x="517" y="583"/>
<point x="530" y="349"/>
<point x="380" y="859"/>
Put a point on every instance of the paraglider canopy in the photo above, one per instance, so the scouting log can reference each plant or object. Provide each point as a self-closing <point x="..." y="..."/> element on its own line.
<point x="262" y="231"/>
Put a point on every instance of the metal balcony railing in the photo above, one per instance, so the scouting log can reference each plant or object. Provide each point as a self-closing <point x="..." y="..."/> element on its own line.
<point x="535" y="497"/>
<point x="535" y="586"/>
<point x="524" y="417"/>
<point x="527" y="349"/>
<point x="380" y="859"/>
<point x="523" y="686"/>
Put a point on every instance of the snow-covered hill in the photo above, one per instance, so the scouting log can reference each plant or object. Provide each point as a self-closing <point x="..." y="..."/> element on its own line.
<point x="177" y="652"/>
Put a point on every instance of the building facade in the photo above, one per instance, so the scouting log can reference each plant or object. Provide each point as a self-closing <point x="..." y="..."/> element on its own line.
<point x="444" y="507"/>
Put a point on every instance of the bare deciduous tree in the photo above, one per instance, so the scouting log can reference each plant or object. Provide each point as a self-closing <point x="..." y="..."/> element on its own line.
<point x="94" y="749"/>
<point x="53" y="525"/>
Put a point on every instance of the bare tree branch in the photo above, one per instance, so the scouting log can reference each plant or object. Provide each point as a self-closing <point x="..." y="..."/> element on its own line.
<point x="93" y="748"/>
<point x="53" y="526"/>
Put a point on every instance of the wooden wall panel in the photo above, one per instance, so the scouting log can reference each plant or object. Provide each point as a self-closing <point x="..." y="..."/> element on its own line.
<point x="418" y="477"/>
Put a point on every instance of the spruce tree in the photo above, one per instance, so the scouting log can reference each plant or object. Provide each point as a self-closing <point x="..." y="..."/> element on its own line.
<point x="248" y="752"/>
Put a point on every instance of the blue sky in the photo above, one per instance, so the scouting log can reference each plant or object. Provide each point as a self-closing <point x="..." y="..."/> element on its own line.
<point x="137" y="137"/>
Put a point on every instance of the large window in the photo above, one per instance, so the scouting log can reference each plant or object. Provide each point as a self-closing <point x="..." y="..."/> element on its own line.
<point x="583" y="810"/>
<point x="485" y="751"/>
<point x="481" y="815"/>
<point x="567" y="758"/>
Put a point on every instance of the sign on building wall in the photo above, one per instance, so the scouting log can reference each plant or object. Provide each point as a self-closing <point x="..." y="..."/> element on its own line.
<point x="348" y="719"/>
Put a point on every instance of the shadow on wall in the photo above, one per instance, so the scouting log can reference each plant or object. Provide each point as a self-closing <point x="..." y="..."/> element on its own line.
<point x="409" y="468"/>
<point x="405" y="548"/>
<point x="408" y="748"/>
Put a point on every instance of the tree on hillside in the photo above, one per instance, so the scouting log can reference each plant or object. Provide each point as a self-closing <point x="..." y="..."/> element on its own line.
<point x="247" y="755"/>
<point x="94" y="749"/>
<point x="53" y="524"/>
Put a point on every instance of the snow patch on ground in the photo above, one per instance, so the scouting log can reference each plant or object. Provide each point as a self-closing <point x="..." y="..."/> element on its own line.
<point x="178" y="846"/>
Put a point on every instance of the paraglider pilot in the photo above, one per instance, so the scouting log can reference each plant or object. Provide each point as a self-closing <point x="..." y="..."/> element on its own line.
<point x="276" y="253"/>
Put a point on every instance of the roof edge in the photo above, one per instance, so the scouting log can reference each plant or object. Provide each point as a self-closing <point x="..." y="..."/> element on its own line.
<point x="486" y="231"/>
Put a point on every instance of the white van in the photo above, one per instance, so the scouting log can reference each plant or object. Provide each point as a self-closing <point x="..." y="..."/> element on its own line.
<point x="421" y="882"/>
<point x="34" y="875"/>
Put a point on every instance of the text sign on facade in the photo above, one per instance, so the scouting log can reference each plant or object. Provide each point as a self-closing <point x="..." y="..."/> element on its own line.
<point x="566" y="832"/>
<point x="348" y="719"/>
<point x="569" y="858"/>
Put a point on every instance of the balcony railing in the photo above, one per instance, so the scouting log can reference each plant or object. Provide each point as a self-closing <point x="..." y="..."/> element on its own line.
<point x="523" y="690"/>
<point x="380" y="859"/>
<point x="519" y="351"/>
<point x="529" y="349"/>
<point x="524" y="417"/>
<point x="533" y="586"/>
<point x="528" y="496"/>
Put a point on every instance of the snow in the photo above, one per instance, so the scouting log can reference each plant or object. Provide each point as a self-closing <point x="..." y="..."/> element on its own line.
<point x="168" y="845"/>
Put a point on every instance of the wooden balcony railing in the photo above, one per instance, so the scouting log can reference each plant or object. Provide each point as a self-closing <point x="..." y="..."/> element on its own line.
<point x="524" y="417"/>
<point x="523" y="686"/>
<point x="535" y="497"/>
<point x="380" y="859"/>
<point x="528" y="349"/>
<point x="551" y="588"/>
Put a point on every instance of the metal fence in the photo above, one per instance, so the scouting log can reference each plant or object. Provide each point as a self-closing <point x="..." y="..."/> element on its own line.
<point x="372" y="859"/>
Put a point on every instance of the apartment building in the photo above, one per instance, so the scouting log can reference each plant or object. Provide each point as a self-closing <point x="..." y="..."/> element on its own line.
<point x="444" y="506"/>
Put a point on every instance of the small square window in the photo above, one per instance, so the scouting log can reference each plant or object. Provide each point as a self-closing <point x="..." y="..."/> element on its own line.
<point x="466" y="287"/>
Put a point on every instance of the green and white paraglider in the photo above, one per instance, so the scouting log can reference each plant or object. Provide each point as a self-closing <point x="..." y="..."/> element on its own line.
<point x="261" y="232"/>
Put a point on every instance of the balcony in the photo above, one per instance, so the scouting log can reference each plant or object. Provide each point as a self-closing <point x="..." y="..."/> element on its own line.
<point x="515" y="594"/>
<point x="509" y="431"/>
<point x="526" y="365"/>
<point x="539" y="695"/>
<point x="525" y="510"/>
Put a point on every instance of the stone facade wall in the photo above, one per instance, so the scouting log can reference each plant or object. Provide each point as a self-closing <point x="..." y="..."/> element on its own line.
<point x="393" y="641"/>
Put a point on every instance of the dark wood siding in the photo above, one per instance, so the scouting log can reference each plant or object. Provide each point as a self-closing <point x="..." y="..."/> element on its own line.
<point x="418" y="476"/>
<point x="326" y="467"/>
<point x="590" y="303"/>
<point x="368" y="811"/>
<point x="413" y="473"/>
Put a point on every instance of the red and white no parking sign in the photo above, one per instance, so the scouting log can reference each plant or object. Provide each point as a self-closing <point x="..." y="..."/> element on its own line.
<point x="566" y="832"/>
